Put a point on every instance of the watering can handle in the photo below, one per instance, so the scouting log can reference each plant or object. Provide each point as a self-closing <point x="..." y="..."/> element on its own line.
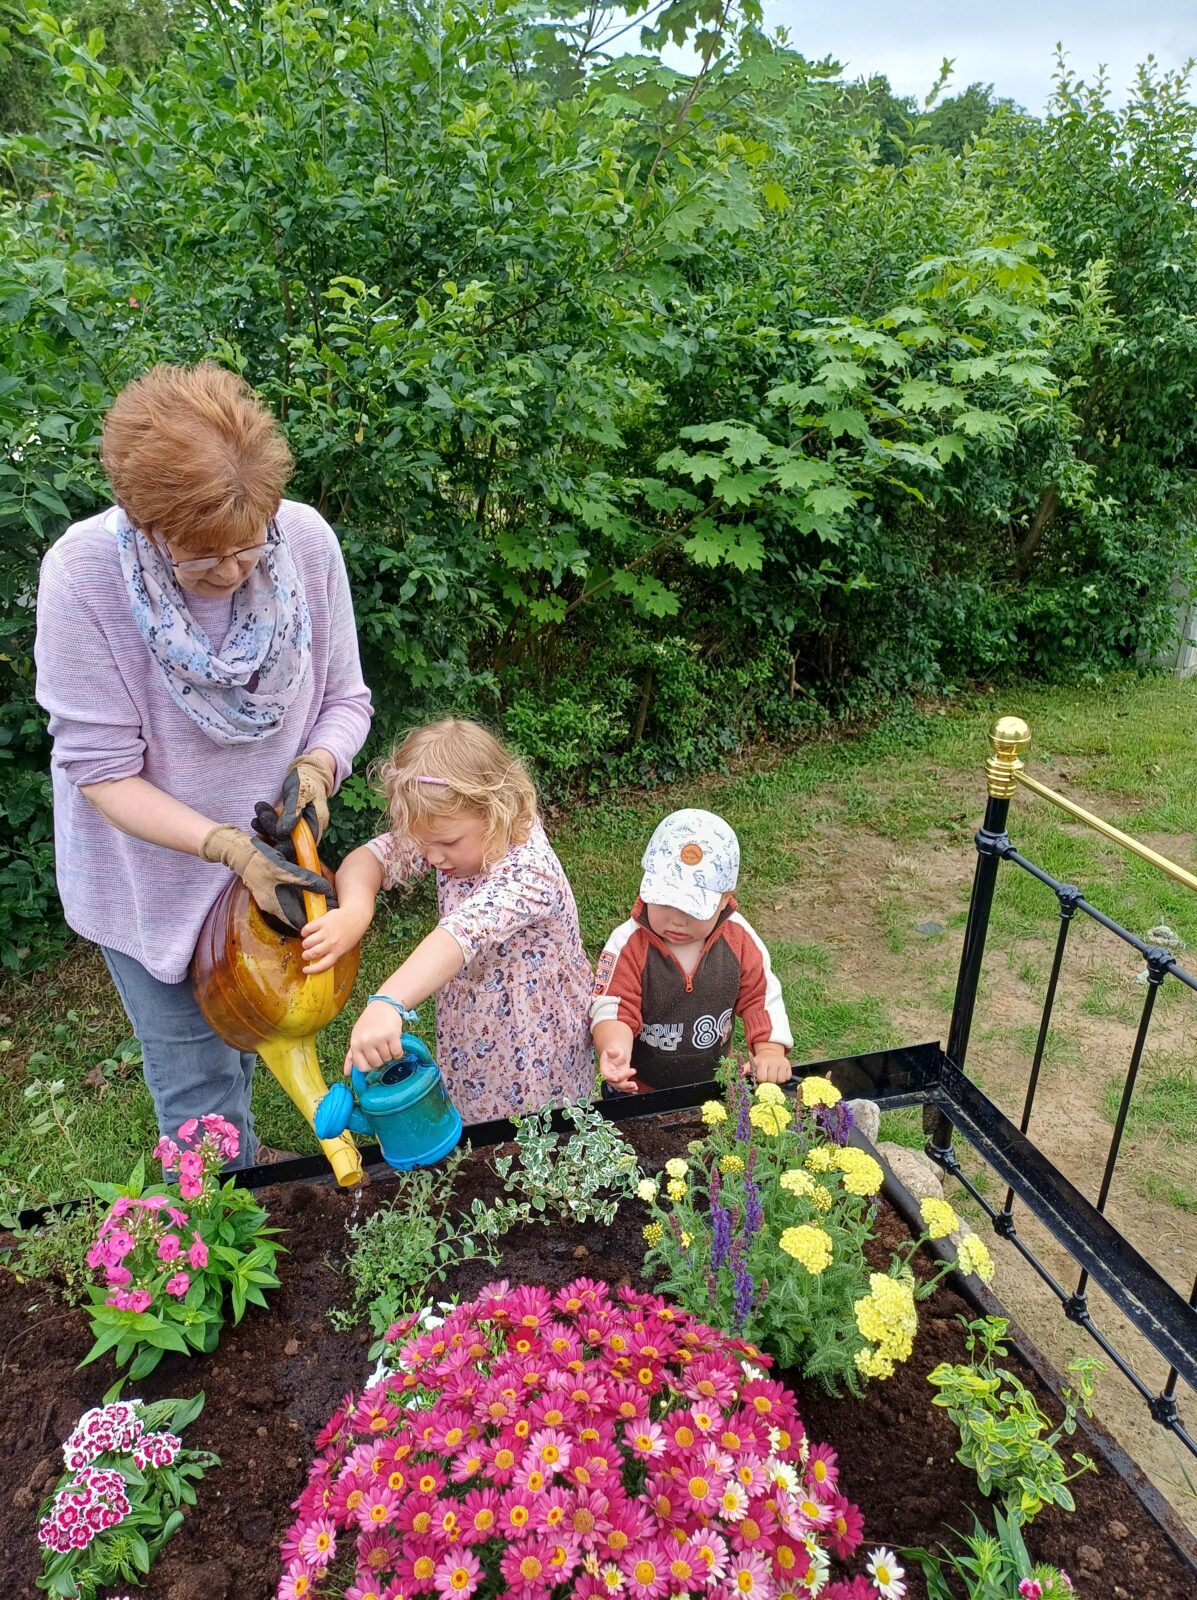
<point x="414" y="1051"/>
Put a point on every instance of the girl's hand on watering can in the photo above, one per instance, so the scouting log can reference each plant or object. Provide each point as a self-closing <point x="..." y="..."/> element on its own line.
<point x="326" y="939"/>
<point x="377" y="1037"/>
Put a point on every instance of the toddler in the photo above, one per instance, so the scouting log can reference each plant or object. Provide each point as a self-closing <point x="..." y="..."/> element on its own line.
<point x="505" y="961"/>
<point x="672" y="980"/>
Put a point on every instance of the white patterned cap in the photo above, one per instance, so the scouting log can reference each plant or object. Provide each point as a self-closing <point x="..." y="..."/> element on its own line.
<point x="692" y="858"/>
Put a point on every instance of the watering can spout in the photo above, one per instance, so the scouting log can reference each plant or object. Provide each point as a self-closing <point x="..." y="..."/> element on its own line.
<point x="250" y="985"/>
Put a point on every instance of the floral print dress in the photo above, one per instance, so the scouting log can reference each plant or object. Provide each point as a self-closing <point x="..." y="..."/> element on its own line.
<point x="512" y="1028"/>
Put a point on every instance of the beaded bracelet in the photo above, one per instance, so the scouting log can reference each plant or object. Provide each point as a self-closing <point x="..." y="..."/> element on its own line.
<point x="404" y="1011"/>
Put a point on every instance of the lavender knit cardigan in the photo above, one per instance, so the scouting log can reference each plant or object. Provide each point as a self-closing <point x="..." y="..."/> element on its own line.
<point x="112" y="717"/>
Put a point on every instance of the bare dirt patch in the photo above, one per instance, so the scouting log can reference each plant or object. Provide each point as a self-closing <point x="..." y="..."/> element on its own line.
<point x="861" y="898"/>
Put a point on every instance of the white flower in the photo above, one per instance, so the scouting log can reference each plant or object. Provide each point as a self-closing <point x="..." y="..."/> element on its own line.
<point x="676" y="1167"/>
<point x="646" y="1189"/>
<point x="820" y="1566"/>
<point x="887" y="1574"/>
<point x="782" y="1474"/>
<point x="752" y="1372"/>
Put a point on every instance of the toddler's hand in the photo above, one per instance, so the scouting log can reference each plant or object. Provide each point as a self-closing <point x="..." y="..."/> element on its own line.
<point x="615" y="1064"/>
<point x="771" y="1067"/>
<point x="326" y="939"/>
<point x="377" y="1037"/>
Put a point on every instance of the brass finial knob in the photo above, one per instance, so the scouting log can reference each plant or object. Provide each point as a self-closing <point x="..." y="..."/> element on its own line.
<point x="1009" y="737"/>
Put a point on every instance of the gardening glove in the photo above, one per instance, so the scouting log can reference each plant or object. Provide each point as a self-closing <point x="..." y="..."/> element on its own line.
<point x="306" y="789"/>
<point x="275" y="883"/>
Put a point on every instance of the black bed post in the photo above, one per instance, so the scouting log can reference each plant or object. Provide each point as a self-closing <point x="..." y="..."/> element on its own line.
<point x="1009" y="736"/>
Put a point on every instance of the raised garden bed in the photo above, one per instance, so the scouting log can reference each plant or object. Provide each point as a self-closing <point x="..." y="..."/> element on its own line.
<point x="276" y="1378"/>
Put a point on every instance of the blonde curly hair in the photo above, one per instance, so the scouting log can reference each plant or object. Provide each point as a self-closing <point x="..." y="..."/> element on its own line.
<point x="456" y="768"/>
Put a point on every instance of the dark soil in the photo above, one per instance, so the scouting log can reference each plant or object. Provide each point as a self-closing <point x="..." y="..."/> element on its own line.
<point x="276" y="1379"/>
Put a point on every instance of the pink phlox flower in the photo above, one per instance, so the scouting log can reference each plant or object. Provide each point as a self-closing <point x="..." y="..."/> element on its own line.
<point x="117" y="1277"/>
<point x="166" y="1151"/>
<point x="457" y="1574"/>
<point x="318" y="1545"/>
<point x="178" y="1217"/>
<point x="178" y="1285"/>
<point x="187" y="1129"/>
<point x="151" y="1202"/>
<point x="168" y="1247"/>
<point x="139" y="1300"/>
<point x="191" y="1175"/>
<point x="645" y="1439"/>
<point x="226" y="1136"/>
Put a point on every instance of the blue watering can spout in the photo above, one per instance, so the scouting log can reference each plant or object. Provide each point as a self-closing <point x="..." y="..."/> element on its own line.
<point x="403" y="1104"/>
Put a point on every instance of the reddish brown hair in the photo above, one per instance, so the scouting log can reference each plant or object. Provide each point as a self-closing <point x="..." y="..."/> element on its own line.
<point x="195" y="458"/>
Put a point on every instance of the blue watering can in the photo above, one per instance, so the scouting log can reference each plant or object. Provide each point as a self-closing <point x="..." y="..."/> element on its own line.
<point x="403" y="1104"/>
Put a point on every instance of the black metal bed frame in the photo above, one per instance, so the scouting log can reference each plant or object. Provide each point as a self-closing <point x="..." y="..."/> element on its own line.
<point x="934" y="1078"/>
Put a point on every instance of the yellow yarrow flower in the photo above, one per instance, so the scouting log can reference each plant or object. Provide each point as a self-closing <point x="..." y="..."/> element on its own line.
<point x="653" y="1233"/>
<point x="768" y="1094"/>
<point x="873" y="1364"/>
<point x="676" y="1167"/>
<point x="769" y="1119"/>
<point x="938" y="1218"/>
<point x="797" y="1182"/>
<point x="822" y="1199"/>
<point x="676" y="1189"/>
<point x="819" y="1092"/>
<point x="862" y="1175"/>
<point x="713" y="1113"/>
<point x="886" y="1316"/>
<point x="810" y="1246"/>
<point x="687" y="1239"/>
<point x="731" y="1163"/>
<point x="646" y="1190"/>
<point x="972" y="1256"/>
<point x="820" y="1159"/>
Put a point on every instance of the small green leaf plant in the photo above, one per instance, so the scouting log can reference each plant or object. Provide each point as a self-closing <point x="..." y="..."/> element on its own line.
<point x="763" y="1233"/>
<point x="128" y="1477"/>
<point x="50" y="1250"/>
<point x="1005" y="1439"/>
<point x="414" y="1241"/>
<point x="170" y="1251"/>
<point x="411" y="1242"/>
<point x="581" y="1178"/>
<point x="991" y="1566"/>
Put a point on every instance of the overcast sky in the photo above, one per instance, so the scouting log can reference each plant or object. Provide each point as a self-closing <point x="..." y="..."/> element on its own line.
<point x="1009" y="44"/>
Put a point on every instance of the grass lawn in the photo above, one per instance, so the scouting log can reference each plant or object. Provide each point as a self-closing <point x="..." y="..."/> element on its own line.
<point x="912" y="789"/>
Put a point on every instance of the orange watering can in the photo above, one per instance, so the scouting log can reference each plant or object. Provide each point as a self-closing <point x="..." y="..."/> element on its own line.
<point x="251" y="987"/>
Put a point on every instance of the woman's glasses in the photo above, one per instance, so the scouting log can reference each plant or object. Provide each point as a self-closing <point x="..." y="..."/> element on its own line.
<point x="201" y="566"/>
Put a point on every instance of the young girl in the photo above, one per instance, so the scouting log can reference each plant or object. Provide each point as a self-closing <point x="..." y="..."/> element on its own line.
<point x="505" y="961"/>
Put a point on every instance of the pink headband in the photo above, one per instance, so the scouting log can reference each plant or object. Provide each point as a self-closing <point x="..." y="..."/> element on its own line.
<point x="442" y="783"/>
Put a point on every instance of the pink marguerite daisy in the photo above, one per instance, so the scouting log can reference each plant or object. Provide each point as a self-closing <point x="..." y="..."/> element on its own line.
<point x="458" y="1574"/>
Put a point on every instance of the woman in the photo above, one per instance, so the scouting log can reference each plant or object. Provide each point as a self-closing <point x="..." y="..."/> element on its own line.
<point x="197" y="655"/>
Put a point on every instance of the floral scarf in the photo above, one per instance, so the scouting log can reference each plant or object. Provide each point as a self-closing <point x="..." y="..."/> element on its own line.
<point x="243" y="693"/>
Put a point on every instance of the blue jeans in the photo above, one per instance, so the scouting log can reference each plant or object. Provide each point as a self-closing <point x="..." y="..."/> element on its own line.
<point x="188" y="1069"/>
